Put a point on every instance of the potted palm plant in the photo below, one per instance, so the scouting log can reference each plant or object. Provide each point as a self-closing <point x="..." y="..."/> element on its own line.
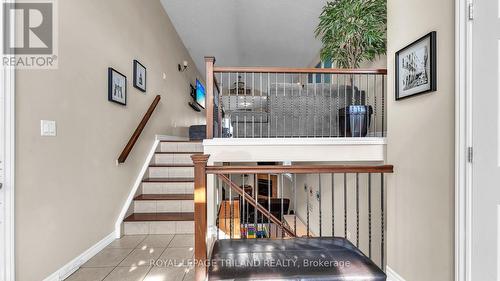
<point x="352" y="32"/>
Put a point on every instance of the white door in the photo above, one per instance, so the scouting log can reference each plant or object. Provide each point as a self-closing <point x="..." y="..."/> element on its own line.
<point x="486" y="141"/>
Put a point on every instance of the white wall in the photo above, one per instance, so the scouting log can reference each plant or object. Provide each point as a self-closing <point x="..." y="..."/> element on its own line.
<point x="69" y="190"/>
<point x="421" y="148"/>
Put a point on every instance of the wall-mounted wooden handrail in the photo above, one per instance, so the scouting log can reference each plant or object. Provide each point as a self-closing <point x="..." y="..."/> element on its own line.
<point x="137" y="133"/>
<point x="234" y="69"/>
<point x="299" y="169"/>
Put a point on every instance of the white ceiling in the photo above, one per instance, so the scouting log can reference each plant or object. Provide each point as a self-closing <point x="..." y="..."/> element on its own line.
<point x="248" y="32"/>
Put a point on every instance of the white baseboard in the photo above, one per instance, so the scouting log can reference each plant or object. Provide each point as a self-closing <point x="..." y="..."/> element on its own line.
<point x="73" y="265"/>
<point x="393" y="275"/>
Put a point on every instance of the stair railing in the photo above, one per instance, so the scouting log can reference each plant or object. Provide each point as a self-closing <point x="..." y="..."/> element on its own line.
<point x="137" y="133"/>
<point x="327" y="200"/>
<point x="283" y="102"/>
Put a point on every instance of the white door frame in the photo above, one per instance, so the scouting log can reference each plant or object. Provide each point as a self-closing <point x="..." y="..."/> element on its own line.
<point x="463" y="140"/>
<point x="7" y="90"/>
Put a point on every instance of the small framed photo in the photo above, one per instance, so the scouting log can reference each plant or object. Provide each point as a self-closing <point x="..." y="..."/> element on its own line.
<point x="416" y="68"/>
<point x="139" y="76"/>
<point x="117" y="87"/>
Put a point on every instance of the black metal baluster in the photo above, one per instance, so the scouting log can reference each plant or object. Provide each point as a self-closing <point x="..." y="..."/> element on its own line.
<point x="256" y="194"/>
<point x="357" y="210"/>
<point x="245" y="108"/>
<point x="320" y="210"/>
<point x="345" y="205"/>
<point x="330" y="103"/>
<point x="333" y="204"/>
<point x="307" y="205"/>
<point x="253" y="105"/>
<point x="269" y="203"/>
<point x="345" y="107"/>
<point x="382" y="219"/>
<point x="295" y="204"/>
<point x="277" y="107"/>
<point x="261" y="107"/>
<point x="244" y="210"/>
<point x="217" y="204"/>
<point x="237" y="89"/>
<point x="282" y="210"/>
<point x="231" y="210"/>
<point x="284" y="105"/>
<point x="370" y="216"/>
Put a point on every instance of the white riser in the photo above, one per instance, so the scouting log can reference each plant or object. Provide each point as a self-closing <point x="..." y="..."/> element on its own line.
<point x="168" y="188"/>
<point x="171" y="172"/>
<point x="180" y="147"/>
<point x="172" y="159"/>
<point x="163" y="206"/>
<point x="158" y="227"/>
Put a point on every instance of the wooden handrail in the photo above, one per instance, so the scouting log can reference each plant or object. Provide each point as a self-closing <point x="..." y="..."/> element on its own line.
<point x="299" y="169"/>
<point x="137" y="133"/>
<point x="224" y="69"/>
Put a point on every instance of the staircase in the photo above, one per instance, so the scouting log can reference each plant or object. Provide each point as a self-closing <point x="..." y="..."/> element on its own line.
<point x="165" y="201"/>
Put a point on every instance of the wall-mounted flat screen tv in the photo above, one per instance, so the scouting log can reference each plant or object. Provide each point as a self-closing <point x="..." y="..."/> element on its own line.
<point x="200" y="94"/>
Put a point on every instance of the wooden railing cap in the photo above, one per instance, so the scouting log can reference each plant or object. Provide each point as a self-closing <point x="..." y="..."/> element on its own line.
<point x="209" y="59"/>
<point x="200" y="158"/>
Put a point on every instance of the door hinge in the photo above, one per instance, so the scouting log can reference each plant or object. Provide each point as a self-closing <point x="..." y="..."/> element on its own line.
<point x="470" y="154"/>
<point x="471" y="11"/>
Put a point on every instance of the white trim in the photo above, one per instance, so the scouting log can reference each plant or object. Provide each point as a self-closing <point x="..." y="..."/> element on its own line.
<point x="72" y="266"/>
<point x="393" y="275"/>
<point x="296" y="149"/>
<point x="463" y="139"/>
<point x="7" y="90"/>
<point x="293" y="141"/>
<point x="138" y="180"/>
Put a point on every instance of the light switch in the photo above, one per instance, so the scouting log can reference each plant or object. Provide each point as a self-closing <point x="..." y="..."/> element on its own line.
<point x="48" y="128"/>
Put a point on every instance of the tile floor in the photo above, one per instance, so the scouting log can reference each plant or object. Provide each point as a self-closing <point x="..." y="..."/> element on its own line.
<point x="129" y="259"/>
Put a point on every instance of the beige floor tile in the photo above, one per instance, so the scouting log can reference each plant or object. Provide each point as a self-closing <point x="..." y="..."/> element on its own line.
<point x="127" y="241"/>
<point x="133" y="273"/>
<point x="182" y="241"/>
<point x="90" y="274"/>
<point x="178" y="255"/>
<point x="108" y="257"/>
<point x="166" y="274"/>
<point x="142" y="256"/>
<point x="156" y="241"/>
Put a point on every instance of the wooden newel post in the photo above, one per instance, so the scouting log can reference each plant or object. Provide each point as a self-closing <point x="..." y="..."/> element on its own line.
<point x="209" y="66"/>
<point x="200" y="215"/>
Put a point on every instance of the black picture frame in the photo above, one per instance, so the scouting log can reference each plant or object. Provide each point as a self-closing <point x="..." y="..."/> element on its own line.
<point x="431" y="85"/>
<point x="140" y="82"/>
<point x="113" y="96"/>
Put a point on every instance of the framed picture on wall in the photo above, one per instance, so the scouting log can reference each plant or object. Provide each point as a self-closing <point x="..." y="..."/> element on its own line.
<point x="416" y="68"/>
<point x="139" y="76"/>
<point x="117" y="87"/>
